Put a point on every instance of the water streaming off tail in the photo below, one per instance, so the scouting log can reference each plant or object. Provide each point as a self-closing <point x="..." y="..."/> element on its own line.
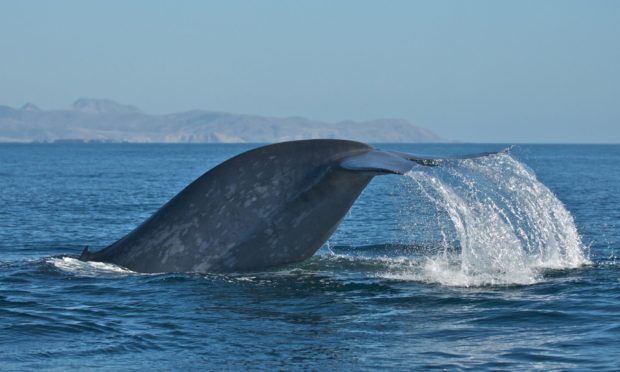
<point x="499" y="224"/>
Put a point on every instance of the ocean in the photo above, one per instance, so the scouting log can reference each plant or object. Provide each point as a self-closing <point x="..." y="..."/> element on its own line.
<point x="505" y="262"/>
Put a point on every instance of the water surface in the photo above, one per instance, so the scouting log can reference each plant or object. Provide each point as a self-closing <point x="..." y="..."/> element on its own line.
<point x="411" y="279"/>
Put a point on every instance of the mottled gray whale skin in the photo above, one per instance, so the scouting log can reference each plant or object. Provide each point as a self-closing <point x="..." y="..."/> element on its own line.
<point x="267" y="207"/>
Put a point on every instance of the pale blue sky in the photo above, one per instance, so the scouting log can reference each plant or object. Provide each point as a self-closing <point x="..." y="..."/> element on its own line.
<point x="478" y="71"/>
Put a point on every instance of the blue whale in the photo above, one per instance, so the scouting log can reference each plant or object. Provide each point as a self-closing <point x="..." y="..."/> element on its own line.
<point x="267" y="207"/>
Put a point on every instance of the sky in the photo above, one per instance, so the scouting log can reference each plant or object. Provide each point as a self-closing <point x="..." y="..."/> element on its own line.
<point x="472" y="71"/>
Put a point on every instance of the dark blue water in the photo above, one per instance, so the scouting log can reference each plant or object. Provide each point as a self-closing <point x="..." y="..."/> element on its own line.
<point x="487" y="273"/>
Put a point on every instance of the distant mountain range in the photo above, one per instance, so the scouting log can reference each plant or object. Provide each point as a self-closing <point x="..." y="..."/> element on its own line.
<point x="103" y="120"/>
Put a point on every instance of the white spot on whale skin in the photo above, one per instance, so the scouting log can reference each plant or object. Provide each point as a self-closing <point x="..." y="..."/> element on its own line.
<point x="262" y="190"/>
<point x="230" y="190"/>
<point x="249" y="202"/>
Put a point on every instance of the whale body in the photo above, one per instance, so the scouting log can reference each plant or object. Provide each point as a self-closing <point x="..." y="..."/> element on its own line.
<point x="267" y="207"/>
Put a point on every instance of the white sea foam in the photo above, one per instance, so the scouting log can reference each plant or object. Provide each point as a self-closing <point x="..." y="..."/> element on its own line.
<point x="88" y="268"/>
<point x="508" y="226"/>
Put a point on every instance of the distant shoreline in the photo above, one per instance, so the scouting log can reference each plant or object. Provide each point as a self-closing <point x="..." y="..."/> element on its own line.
<point x="103" y="120"/>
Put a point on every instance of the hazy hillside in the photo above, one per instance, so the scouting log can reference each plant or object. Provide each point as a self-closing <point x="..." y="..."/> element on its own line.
<point x="107" y="121"/>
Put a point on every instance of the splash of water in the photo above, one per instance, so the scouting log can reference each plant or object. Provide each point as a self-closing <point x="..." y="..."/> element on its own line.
<point x="500" y="225"/>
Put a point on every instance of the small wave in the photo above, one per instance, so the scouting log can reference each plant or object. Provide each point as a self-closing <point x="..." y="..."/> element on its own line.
<point x="443" y="270"/>
<point x="88" y="268"/>
<point x="434" y="270"/>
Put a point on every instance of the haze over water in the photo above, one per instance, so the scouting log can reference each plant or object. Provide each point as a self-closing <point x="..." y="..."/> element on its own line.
<point x="502" y="262"/>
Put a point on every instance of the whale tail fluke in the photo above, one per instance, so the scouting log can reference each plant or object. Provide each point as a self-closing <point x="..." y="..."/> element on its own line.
<point x="379" y="162"/>
<point x="267" y="207"/>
